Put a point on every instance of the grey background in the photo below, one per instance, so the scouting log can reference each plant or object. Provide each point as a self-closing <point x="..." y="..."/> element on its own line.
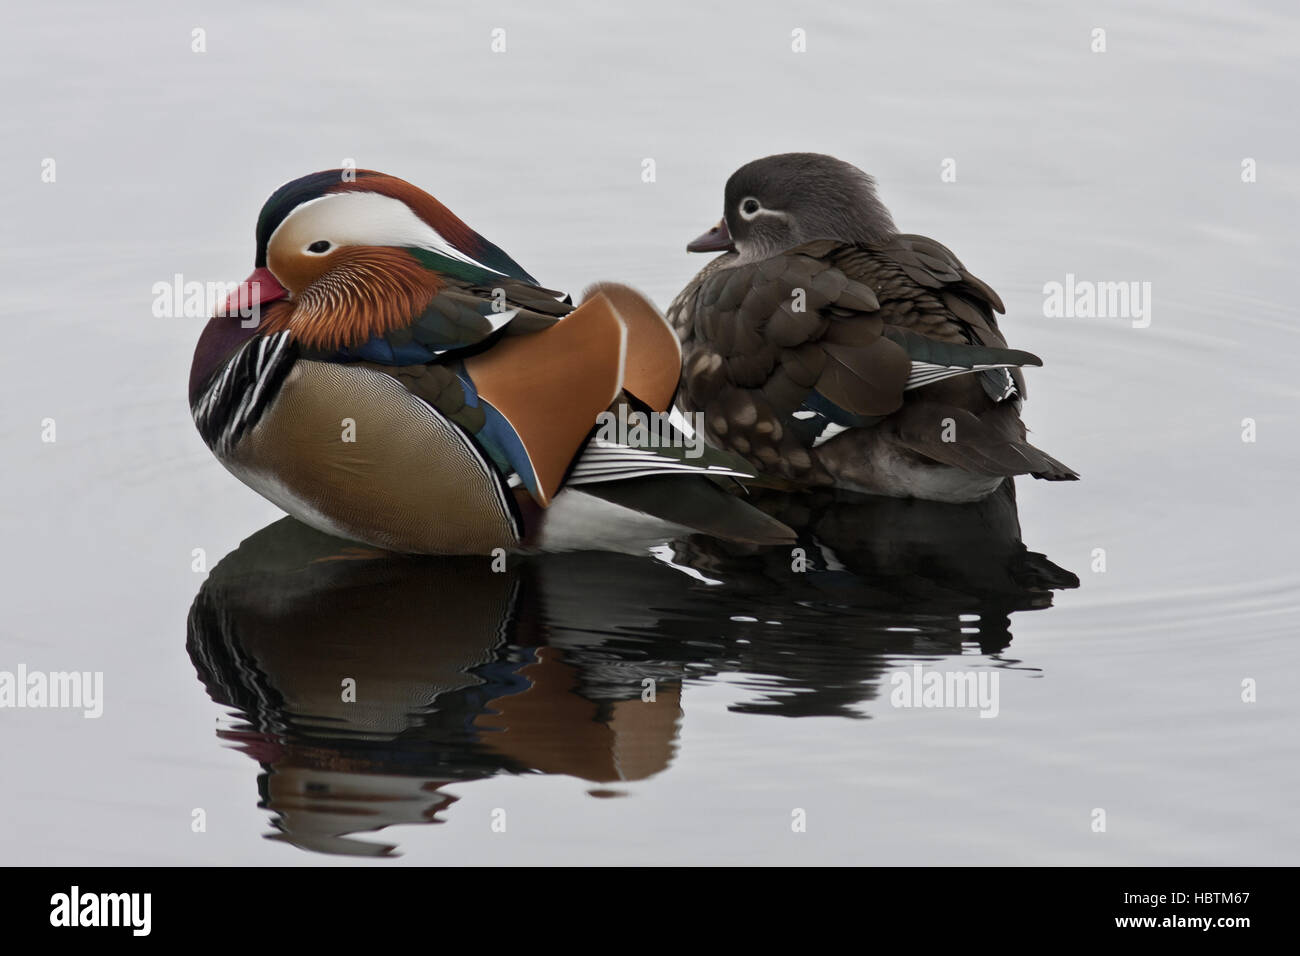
<point x="1116" y="166"/>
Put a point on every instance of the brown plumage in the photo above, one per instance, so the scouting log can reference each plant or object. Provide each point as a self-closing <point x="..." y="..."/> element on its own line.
<point x="416" y="390"/>
<point x="653" y="363"/>
<point x="829" y="349"/>
<point x="517" y="377"/>
<point x="353" y="294"/>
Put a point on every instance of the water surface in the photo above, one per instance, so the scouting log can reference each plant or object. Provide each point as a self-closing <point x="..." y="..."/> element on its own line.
<point x="522" y="692"/>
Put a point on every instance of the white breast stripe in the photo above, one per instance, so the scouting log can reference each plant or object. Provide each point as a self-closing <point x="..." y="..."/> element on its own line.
<point x="281" y="340"/>
<point x="234" y="400"/>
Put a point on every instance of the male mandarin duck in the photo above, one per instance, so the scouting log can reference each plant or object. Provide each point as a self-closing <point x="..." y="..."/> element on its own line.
<point x="829" y="349"/>
<point x="408" y="385"/>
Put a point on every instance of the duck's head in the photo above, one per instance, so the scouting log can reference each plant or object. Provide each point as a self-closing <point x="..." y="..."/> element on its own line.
<point x="782" y="201"/>
<point x="354" y="253"/>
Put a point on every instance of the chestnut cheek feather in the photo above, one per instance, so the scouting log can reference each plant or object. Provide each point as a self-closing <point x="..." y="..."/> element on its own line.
<point x="359" y="293"/>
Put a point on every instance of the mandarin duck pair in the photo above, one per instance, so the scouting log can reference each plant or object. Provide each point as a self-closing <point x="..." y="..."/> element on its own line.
<point x="389" y="376"/>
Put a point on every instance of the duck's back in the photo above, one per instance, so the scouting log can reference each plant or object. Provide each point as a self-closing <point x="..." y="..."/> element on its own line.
<point x="802" y="362"/>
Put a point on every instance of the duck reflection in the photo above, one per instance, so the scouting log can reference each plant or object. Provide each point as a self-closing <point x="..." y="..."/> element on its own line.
<point x="366" y="683"/>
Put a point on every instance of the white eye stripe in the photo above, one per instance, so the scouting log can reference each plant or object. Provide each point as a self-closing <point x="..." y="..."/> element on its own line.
<point x="362" y="219"/>
<point x="760" y="211"/>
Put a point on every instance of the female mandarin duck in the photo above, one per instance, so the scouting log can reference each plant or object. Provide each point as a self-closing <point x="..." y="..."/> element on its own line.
<point x="827" y="348"/>
<point x="408" y="385"/>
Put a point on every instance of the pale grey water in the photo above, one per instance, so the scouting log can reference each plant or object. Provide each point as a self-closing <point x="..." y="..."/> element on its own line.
<point x="1124" y="165"/>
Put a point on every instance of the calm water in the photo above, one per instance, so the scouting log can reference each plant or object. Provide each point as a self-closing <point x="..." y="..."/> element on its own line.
<point x="484" y="694"/>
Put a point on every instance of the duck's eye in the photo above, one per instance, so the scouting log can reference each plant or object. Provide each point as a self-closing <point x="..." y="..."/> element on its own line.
<point x="749" y="208"/>
<point x="320" y="245"/>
